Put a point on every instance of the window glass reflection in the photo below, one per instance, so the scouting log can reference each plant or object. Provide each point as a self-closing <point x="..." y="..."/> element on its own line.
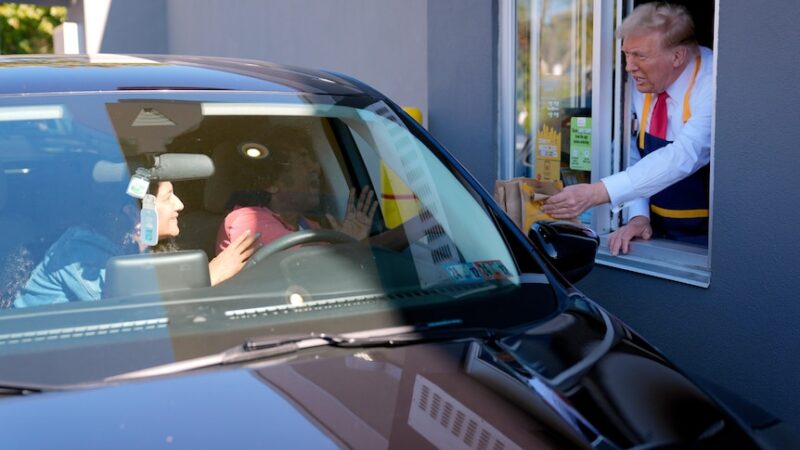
<point x="554" y="91"/>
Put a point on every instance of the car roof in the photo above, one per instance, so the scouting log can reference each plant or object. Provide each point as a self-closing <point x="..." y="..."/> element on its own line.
<point x="29" y="74"/>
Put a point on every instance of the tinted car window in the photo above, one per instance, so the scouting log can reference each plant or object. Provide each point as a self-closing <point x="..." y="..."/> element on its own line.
<point x="300" y="163"/>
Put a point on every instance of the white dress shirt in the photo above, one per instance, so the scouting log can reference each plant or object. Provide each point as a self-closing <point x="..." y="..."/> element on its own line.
<point x="689" y="151"/>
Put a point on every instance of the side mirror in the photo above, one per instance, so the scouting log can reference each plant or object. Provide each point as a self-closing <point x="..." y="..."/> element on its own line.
<point x="570" y="247"/>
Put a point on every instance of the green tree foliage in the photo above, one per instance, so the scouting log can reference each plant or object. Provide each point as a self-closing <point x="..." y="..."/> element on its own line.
<point x="28" y="28"/>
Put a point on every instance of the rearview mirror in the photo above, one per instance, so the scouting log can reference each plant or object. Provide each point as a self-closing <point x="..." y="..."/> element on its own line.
<point x="166" y="167"/>
<point x="571" y="247"/>
<point x="181" y="167"/>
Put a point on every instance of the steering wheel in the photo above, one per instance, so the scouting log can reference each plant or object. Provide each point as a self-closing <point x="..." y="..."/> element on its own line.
<point x="298" y="238"/>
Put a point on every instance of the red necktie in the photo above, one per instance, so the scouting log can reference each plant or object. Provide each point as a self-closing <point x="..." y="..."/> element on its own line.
<point x="658" y="127"/>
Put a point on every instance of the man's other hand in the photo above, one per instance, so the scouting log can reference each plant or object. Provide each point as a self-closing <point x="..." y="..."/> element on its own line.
<point x="575" y="199"/>
<point x="638" y="227"/>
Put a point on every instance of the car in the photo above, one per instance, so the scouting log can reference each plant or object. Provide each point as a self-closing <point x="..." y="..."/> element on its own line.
<point x="377" y="297"/>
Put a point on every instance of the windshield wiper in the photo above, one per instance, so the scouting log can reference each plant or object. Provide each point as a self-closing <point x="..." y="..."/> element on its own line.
<point x="386" y="337"/>
<point x="12" y="388"/>
<point x="257" y="349"/>
<point x="17" y="390"/>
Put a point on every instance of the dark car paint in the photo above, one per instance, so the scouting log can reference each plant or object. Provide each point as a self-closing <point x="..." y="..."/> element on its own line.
<point x="459" y="394"/>
<point x="580" y="377"/>
<point x="628" y="395"/>
<point x="45" y="74"/>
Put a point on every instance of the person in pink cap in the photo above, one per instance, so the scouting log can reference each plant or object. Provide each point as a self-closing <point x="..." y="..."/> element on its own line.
<point x="292" y="188"/>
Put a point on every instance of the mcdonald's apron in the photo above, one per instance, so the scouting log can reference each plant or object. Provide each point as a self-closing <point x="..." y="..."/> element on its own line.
<point x="679" y="212"/>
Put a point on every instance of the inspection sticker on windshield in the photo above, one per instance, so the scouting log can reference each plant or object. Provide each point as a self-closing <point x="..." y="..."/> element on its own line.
<point x="492" y="270"/>
<point x="478" y="271"/>
<point x="464" y="272"/>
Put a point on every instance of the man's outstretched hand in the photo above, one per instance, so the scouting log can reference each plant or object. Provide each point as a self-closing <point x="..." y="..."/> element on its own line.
<point x="574" y="200"/>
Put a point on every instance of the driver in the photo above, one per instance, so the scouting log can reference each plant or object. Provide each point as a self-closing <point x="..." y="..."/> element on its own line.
<point x="73" y="268"/>
<point x="291" y="202"/>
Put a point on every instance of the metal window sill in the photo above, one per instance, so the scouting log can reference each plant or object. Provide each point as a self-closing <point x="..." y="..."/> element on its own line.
<point x="676" y="261"/>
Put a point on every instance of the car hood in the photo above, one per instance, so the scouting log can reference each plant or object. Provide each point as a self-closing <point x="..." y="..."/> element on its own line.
<point x="459" y="394"/>
<point x="412" y="397"/>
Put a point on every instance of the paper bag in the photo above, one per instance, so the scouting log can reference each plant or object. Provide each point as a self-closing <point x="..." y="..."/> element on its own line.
<point x="522" y="199"/>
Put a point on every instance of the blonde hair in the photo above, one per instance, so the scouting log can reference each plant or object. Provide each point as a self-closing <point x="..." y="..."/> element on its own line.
<point x="672" y="22"/>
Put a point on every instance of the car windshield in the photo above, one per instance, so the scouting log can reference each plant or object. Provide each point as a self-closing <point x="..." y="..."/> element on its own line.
<point x="108" y="232"/>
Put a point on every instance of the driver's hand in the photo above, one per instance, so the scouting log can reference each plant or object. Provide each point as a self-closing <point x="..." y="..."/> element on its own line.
<point x="231" y="260"/>
<point x="358" y="218"/>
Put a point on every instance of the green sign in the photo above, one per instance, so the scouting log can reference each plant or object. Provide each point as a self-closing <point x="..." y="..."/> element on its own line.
<point x="580" y="143"/>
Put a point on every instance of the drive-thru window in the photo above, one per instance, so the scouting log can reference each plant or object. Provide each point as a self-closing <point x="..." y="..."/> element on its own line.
<point x="566" y="113"/>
